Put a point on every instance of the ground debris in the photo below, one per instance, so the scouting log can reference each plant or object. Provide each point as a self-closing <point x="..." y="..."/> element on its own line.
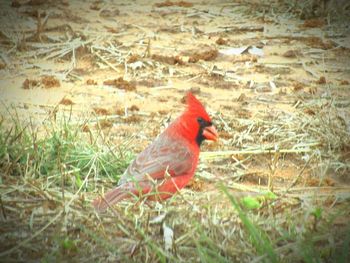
<point x="133" y="58"/>
<point x="120" y="83"/>
<point x="134" y="108"/>
<point x="46" y="82"/>
<point x="103" y="124"/>
<point x="101" y="111"/>
<point x="171" y="60"/>
<point x="284" y="138"/>
<point x="91" y="82"/>
<point x="298" y="86"/>
<point x="291" y="54"/>
<point x="30" y="83"/>
<point x="317" y="42"/>
<point x="321" y="80"/>
<point x="50" y="82"/>
<point x="66" y="101"/>
<point x="171" y="3"/>
<point x="311" y="23"/>
<point x="221" y="41"/>
<point x="206" y="53"/>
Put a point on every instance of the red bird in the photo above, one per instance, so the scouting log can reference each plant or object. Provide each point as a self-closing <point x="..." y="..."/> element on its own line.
<point x="167" y="164"/>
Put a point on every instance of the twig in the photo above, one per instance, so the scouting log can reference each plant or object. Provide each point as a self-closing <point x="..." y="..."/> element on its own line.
<point x="227" y="154"/>
<point x="105" y="61"/>
<point x="299" y="174"/>
<point x="254" y="188"/>
<point x="310" y="71"/>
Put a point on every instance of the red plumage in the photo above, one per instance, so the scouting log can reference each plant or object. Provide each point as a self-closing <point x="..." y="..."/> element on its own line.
<point x="167" y="164"/>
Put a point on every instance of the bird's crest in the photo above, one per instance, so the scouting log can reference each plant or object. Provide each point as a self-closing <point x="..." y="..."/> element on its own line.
<point x="195" y="107"/>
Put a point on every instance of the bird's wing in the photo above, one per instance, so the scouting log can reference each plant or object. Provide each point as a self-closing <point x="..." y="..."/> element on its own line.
<point x="165" y="154"/>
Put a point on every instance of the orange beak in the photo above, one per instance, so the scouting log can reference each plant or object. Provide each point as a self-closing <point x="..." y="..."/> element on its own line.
<point x="210" y="133"/>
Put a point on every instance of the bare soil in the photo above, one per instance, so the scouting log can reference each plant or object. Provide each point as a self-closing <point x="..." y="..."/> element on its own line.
<point x="133" y="61"/>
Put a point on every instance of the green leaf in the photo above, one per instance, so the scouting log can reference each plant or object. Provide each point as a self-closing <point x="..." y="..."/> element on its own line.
<point x="270" y="195"/>
<point x="78" y="180"/>
<point x="318" y="212"/>
<point x="259" y="237"/>
<point x="68" y="244"/>
<point x="250" y="202"/>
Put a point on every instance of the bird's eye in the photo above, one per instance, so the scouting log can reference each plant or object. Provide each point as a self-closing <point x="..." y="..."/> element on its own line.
<point x="200" y="120"/>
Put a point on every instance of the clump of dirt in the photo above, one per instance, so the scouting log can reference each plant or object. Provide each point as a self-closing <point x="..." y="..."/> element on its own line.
<point x="291" y="53"/>
<point x="163" y="112"/>
<point x="30" y="83"/>
<point x="133" y="58"/>
<point x="119" y="111"/>
<point x="50" y="82"/>
<point x="133" y="119"/>
<point x="120" y="83"/>
<point x="66" y="102"/>
<point x="196" y="185"/>
<point x="103" y="124"/>
<point x="317" y="42"/>
<point x="101" y="111"/>
<point x="309" y="111"/>
<point x="134" y="108"/>
<point x="170" y="3"/>
<point x="344" y="82"/>
<point x="221" y="41"/>
<point x="171" y="60"/>
<point x="91" y="82"/>
<point x="297" y="86"/>
<point x="321" y="80"/>
<point x="320" y="182"/>
<point x="207" y="54"/>
<point x="312" y="23"/>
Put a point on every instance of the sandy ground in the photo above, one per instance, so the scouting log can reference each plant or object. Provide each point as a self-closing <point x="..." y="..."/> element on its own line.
<point x="162" y="52"/>
<point x="57" y="58"/>
<point x="125" y="66"/>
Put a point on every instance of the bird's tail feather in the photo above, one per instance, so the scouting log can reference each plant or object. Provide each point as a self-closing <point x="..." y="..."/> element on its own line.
<point x="110" y="198"/>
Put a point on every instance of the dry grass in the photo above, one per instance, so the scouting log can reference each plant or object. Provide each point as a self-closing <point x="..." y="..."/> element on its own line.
<point x="243" y="210"/>
<point x="309" y="9"/>
<point x="48" y="182"/>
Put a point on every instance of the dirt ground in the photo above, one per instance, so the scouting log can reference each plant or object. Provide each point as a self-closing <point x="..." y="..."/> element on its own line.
<point x="78" y="46"/>
<point x="265" y="76"/>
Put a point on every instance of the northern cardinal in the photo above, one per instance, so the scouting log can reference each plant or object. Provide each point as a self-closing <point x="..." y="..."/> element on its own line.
<point x="167" y="164"/>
